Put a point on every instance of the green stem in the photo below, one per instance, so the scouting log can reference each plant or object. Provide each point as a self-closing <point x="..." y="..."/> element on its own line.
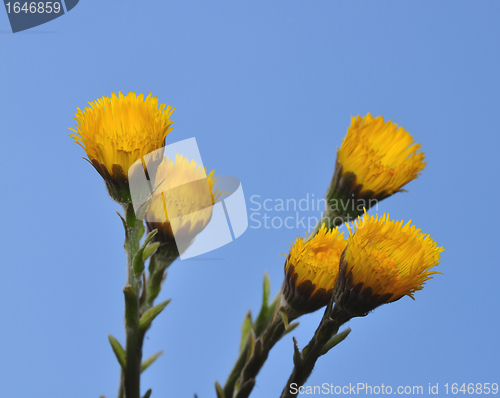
<point x="263" y="345"/>
<point x="139" y="298"/>
<point x="166" y="254"/>
<point x="258" y="338"/>
<point x="236" y="370"/>
<point x="134" y="230"/>
<point x="120" y="388"/>
<point x="254" y="354"/>
<point x="304" y="361"/>
<point x="265" y="317"/>
<point x="134" y="344"/>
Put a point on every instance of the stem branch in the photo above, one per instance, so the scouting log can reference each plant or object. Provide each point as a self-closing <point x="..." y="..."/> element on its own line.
<point x="305" y="360"/>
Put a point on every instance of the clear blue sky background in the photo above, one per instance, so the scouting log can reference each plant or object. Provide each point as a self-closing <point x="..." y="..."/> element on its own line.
<point x="267" y="88"/>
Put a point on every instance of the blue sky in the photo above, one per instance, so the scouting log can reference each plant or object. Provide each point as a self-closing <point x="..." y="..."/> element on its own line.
<point x="267" y="88"/>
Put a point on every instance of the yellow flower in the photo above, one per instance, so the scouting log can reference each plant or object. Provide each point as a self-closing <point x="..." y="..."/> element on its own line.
<point x="118" y="130"/>
<point x="382" y="155"/>
<point x="384" y="260"/>
<point x="376" y="160"/>
<point x="182" y="203"/>
<point x="311" y="270"/>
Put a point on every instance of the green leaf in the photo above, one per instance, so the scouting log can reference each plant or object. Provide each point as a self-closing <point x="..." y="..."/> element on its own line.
<point x="150" y="250"/>
<point x="338" y="338"/>
<point x="148" y="393"/>
<point x="149" y="238"/>
<point x="124" y="225"/>
<point x="141" y="231"/>
<point x="251" y="344"/>
<point x="267" y="289"/>
<point x="157" y="274"/>
<point x="118" y="350"/>
<point x="290" y="327"/>
<point x="140" y="257"/>
<point x="245" y="329"/>
<point x="240" y="364"/>
<point x="266" y="312"/>
<point x="138" y="262"/>
<point x="149" y="360"/>
<point x="219" y="390"/>
<point x="151" y="314"/>
<point x="297" y="355"/>
<point x="284" y="316"/>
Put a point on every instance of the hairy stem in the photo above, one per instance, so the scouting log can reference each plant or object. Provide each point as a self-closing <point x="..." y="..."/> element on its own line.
<point x="166" y="254"/>
<point x="263" y="346"/>
<point x="305" y="360"/>
<point x="254" y="353"/>
<point x="130" y="378"/>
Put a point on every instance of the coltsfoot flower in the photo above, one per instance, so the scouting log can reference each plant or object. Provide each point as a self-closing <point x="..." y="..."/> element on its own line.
<point x="376" y="160"/>
<point x="383" y="261"/>
<point x="181" y="206"/>
<point x="311" y="269"/>
<point x="118" y="130"/>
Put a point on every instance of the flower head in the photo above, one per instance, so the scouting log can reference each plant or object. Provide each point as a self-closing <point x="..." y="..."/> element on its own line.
<point x="181" y="206"/>
<point x="376" y="160"/>
<point x="118" y="130"/>
<point x="382" y="155"/>
<point x="311" y="270"/>
<point x="383" y="261"/>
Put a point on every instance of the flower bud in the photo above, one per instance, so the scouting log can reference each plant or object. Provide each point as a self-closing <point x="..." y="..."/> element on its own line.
<point x="376" y="160"/>
<point x="311" y="269"/>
